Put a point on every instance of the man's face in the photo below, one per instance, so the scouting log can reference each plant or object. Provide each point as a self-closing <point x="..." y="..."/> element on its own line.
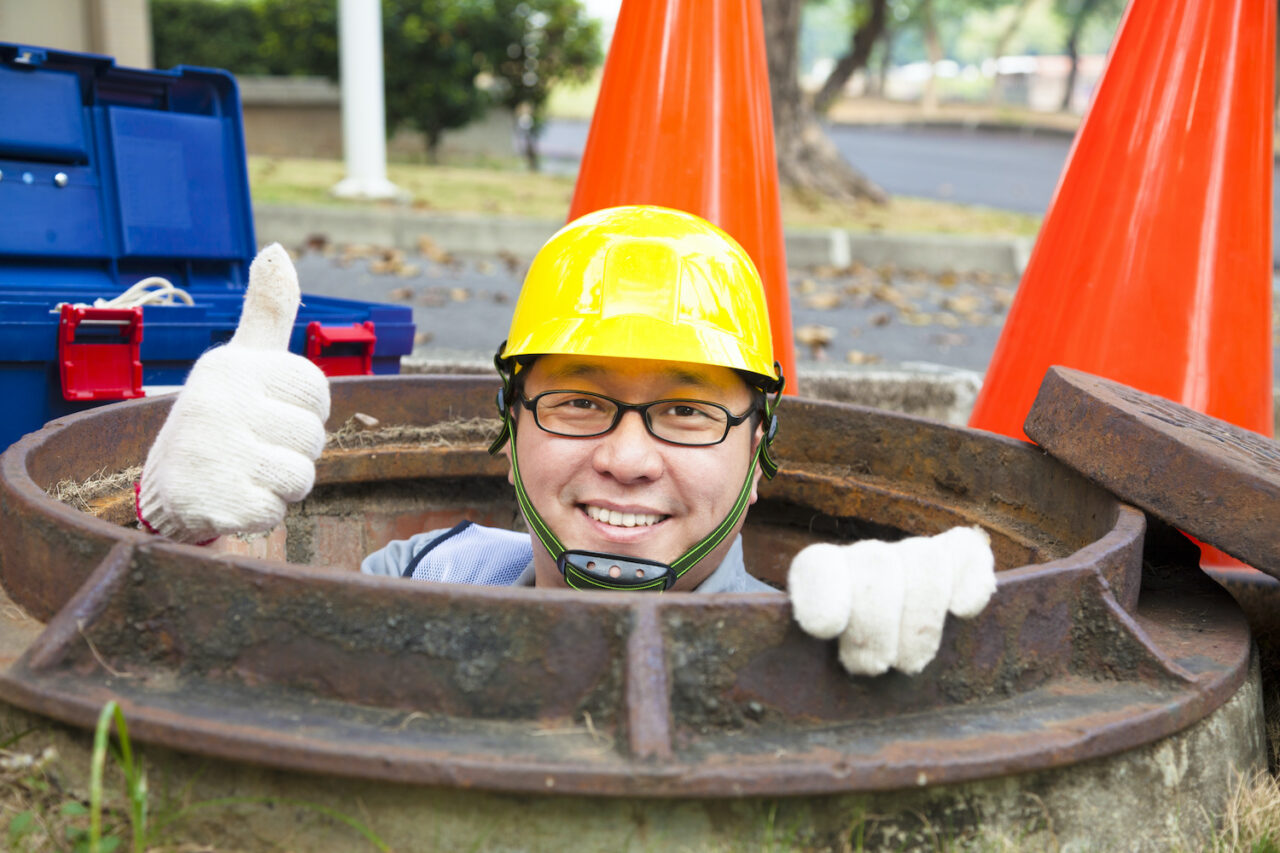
<point x="626" y="492"/>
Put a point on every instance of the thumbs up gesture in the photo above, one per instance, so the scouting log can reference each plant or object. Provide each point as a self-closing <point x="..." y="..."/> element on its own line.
<point x="241" y="440"/>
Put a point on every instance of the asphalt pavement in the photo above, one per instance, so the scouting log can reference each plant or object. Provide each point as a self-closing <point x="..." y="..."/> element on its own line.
<point x="887" y="314"/>
<point x="854" y="316"/>
<point x="1002" y="168"/>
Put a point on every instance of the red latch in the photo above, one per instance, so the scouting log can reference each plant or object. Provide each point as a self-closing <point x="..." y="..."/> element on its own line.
<point x="342" y="350"/>
<point x="98" y="353"/>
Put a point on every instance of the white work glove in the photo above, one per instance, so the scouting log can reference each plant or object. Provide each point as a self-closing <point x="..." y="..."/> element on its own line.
<point x="888" y="601"/>
<point x="242" y="438"/>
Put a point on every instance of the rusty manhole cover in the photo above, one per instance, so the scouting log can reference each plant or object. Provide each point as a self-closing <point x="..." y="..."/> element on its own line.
<point x="1216" y="481"/>
<point x="297" y="664"/>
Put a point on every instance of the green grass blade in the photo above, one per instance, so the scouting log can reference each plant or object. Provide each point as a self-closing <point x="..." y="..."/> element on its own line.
<point x="100" y="737"/>
<point x="12" y="739"/>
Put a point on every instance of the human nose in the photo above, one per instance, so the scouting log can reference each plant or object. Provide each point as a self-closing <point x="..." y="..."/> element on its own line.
<point x="628" y="452"/>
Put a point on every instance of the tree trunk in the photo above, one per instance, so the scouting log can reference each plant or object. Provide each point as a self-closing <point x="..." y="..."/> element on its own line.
<point x="886" y="61"/>
<point x="1002" y="45"/>
<point x="933" y="49"/>
<point x="1073" y="50"/>
<point x="528" y="130"/>
<point x="433" y="146"/>
<point x="807" y="159"/>
<point x="860" y="44"/>
<point x="532" y="158"/>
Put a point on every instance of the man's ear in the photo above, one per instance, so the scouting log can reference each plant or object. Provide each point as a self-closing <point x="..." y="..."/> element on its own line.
<point x="755" y="482"/>
<point x="755" y="486"/>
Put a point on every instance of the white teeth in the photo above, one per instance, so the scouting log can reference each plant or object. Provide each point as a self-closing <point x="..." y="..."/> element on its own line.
<point x="622" y="519"/>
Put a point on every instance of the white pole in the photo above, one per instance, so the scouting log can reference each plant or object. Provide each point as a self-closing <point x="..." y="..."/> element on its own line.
<point x="364" y="140"/>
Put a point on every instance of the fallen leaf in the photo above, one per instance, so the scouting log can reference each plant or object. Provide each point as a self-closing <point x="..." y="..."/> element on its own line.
<point x="509" y="260"/>
<point x="962" y="304"/>
<point x="816" y="338"/>
<point x="854" y="356"/>
<point x="823" y="300"/>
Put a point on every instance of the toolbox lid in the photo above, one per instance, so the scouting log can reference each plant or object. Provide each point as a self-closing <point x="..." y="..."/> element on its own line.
<point x="1214" y="480"/>
<point x="111" y="168"/>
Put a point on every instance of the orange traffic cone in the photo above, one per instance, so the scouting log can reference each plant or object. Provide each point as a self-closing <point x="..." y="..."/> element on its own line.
<point x="683" y="120"/>
<point x="1153" y="266"/>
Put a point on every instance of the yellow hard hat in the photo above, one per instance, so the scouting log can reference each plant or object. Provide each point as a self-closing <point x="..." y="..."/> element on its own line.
<point x="644" y="282"/>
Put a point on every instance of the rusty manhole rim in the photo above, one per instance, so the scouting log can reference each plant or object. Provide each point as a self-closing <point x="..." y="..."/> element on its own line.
<point x="647" y="772"/>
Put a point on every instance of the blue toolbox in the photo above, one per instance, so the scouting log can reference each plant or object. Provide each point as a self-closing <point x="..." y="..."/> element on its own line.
<point x="116" y="178"/>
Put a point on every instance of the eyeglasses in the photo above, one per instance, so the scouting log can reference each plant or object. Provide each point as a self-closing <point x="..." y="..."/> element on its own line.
<point x="581" y="414"/>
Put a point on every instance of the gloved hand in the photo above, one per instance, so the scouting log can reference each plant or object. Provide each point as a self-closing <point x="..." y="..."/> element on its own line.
<point x="241" y="440"/>
<point x="888" y="601"/>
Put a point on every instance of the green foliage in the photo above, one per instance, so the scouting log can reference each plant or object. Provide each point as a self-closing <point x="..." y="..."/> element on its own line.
<point x="434" y="50"/>
<point x="135" y="782"/>
<point x="530" y="45"/>
<point x="209" y="33"/>
<point x="297" y="37"/>
<point x="1096" y="19"/>
<point x="431" y="58"/>
<point x="1265" y="844"/>
<point x="21" y="825"/>
<point x="968" y="28"/>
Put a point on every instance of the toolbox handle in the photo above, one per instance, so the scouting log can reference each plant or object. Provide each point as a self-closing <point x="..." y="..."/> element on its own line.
<point x="107" y="365"/>
<point x="354" y="346"/>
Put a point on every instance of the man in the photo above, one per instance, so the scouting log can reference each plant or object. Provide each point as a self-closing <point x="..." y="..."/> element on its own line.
<point x="638" y="404"/>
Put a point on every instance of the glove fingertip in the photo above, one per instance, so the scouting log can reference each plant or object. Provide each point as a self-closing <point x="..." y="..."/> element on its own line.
<point x="270" y="301"/>
<point x="974" y="572"/>
<point x="858" y="660"/>
<point x="820" y="589"/>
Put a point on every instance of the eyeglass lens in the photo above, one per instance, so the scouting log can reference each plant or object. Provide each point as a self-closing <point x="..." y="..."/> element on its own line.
<point x="578" y="413"/>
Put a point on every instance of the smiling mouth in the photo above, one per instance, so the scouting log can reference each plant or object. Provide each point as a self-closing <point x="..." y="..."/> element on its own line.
<point x="621" y="519"/>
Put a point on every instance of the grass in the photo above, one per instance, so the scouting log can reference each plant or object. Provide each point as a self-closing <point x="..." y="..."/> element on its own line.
<point x="512" y="191"/>
<point x="37" y="814"/>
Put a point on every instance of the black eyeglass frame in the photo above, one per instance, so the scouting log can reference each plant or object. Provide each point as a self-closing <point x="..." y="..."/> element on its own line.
<point x="731" y="420"/>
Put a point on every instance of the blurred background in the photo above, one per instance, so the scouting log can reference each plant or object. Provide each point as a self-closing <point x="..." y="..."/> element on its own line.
<point x="942" y="120"/>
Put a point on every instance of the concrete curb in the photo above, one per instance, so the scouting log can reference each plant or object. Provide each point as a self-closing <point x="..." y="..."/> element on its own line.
<point x="478" y="234"/>
<point x="976" y="125"/>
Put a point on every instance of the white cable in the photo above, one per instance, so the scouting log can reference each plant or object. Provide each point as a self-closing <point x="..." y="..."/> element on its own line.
<point x="143" y="293"/>
<point x="153" y="290"/>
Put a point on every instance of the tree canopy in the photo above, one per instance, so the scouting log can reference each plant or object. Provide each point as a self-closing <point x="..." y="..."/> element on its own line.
<point x="528" y="47"/>
<point x="436" y="52"/>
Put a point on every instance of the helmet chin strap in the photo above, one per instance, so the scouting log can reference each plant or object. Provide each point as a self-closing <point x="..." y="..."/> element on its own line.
<point x="597" y="570"/>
